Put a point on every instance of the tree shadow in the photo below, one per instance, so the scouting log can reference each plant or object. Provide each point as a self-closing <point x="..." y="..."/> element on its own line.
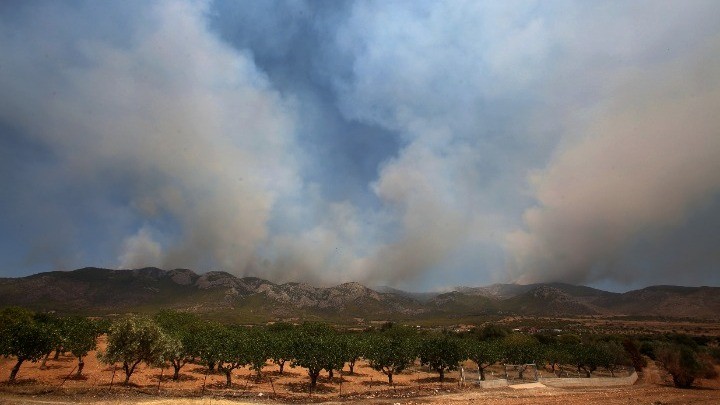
<point x="52" y="367"/>
<point x="203" y="370"/>
<point x="168" y="377"/>
<point x="436" y="379"/>
<point x="382" y="383"/>
<point x="304" y="387"/>
<point x="20" y="382"/>
<point x="73" y="377"/>
<point x="285" y="373"/>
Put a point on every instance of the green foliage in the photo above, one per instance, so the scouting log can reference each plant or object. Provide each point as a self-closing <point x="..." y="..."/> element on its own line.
<point x="23" y="337"/>
<point x="680" y="361"/>
<point x="355" y="347"/>
<point x="520" y="349"/>
<point x="181" y="328"/>
<point x="493" y="331"/>
<point x="259" y="349"/>
<point x="313" y="346"/>
<point x="392" y="350"/>
<point x="484" y="353"/>
<point x="714" y="353"/>
<point x="648" y="349"/>
<point x="134" y="340"/>
<point x="441" y="352"/>
<point x="204" y="343"/>
<point x="632" y="350"/>
<point x="80" y="337"/>
<point x="230" y="345"/>
<point x="280" y="338"/>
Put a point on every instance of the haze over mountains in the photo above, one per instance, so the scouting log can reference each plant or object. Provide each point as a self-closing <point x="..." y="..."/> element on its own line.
<point x="102" y="291"/>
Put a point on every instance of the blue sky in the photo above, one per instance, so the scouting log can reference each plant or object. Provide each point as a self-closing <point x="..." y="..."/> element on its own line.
<point x="417" y="144"/>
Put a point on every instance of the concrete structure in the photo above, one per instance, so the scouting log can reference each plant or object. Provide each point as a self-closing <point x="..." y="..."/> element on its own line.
<point x="493" y="383"/>
<point x="590" y="382"/>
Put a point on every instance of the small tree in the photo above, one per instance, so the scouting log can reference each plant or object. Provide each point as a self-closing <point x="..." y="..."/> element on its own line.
<point x="556" y="355"/>
<point x="335" y="358"/>
<point x="204" y="343"/>
<point x="355" y="347"/>
<point x="483" y="353"/>
<point x="612" y="356"/>
<point x="681" y="362"/>
<point x="392" y="350"/>
<point x="520" y="349"/>
<point x="232" y="351"/>
<point x="80" y="338"/>
<point x="56" y="330"/>
<point x="441" y="352"/>
<point x="631" y="348"/>
<point x="132" y="341"/>
<point x="280" y="343"/>
<point x="179" y="327"/>
<point x="23" y="338"/>
<point x="311" y="344"/>
<point x="258" y="350"/>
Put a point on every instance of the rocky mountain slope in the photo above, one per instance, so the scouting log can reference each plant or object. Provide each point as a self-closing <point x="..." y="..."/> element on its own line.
<point x="104" y="291"/>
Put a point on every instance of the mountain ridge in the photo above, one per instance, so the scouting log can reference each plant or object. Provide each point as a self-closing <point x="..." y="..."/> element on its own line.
<point x="100" y="291"/>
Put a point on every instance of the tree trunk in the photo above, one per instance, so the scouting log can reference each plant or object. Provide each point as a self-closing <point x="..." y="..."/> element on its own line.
<point x="44" y="360"/>
<point x="176" y="374"/>
<point x="389" y="378"/>
<point x="352" y="367"/>
<point x="228" y="376"/>
<point x="128" y="371"/>
<point x="442" y="374"/>
<point x="281" y="364"/>
<point x="313" y="378"/>
<point x="15" y="369"/>
<point x="81" y="364"/>
<point x="482" y="373"/>
<point x="211" y="365"/>
<point x="330" y="374"/>
<point x="57" y="352"/>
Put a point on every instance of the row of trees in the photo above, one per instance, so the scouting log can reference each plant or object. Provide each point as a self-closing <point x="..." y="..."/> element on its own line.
<point x="33" y="337"/>
<point x="175" y="339"/>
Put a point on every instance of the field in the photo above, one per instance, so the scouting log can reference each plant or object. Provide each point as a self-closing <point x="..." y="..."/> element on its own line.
<point x="415" y="385"/>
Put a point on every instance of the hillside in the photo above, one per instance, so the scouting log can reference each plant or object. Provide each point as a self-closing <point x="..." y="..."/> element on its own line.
<point x="103" y="291"/>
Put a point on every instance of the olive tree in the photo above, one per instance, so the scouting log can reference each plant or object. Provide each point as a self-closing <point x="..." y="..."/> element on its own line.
<point x="80" y="338"/>
<point x="259" y="350"/>
<point x="441" y="352"/>
<point x="483" y="353"/>
<point x="392" y="350"/>
<point x="279" y="335"/>
<point x="23" y="337"/>
<point x="135" y="340"/>
<point x="231" y="350"/>
<point x="311" y="346"/>
<point x="354" y="347"/>
<point x="681" y="361"/>
<point x="180" y="328"/>
<point x="521" y="350"/>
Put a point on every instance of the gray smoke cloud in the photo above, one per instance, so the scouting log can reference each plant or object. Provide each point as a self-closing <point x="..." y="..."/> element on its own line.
<point x="526" y="142"/>
<point x="186" y="122"/>
<point x="645" y="161"/>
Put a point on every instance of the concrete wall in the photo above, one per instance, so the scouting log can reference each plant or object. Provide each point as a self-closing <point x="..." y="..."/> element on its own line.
<point x="492" y="383"/>
<point x="590" y="382"/>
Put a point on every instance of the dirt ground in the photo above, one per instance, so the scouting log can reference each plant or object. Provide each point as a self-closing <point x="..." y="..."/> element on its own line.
<point x="414" y="386"/>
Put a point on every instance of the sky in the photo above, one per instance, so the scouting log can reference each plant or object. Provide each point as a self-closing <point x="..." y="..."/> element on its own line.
<point x="417" y="144"/>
